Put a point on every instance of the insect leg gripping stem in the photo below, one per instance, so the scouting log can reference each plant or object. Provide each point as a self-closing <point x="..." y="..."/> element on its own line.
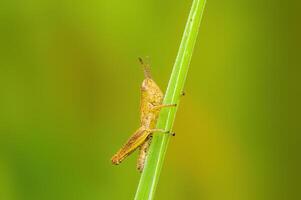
<point x="162" y="131"/>
<point x="163" y="106"/>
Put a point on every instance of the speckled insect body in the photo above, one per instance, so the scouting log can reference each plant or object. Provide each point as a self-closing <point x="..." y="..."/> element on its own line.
<point x="151" y="104"/>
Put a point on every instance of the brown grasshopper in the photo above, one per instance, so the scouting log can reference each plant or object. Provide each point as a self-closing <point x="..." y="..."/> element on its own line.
<point x="151" y="104"/>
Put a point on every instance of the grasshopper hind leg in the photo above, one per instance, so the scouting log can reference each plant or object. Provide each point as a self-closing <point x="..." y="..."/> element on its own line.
<point x="143" y="154"/>
<point x="144" y="149"/>
<point x="134" y="142"/>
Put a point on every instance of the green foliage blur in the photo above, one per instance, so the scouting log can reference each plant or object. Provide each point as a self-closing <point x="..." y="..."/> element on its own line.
<point x="70" y="84"/>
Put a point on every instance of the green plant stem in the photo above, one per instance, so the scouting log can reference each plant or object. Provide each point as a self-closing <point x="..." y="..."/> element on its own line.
<point x="150" y="176"/>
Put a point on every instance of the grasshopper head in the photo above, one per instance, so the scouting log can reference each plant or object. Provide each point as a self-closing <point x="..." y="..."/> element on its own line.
<point x="151" y="91"/>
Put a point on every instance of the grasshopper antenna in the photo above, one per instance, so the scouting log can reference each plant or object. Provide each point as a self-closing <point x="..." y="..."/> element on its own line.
<point x="146" y="68"/>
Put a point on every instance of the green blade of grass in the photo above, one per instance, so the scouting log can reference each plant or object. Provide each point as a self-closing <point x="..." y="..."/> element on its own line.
<point x="150" y="176"/>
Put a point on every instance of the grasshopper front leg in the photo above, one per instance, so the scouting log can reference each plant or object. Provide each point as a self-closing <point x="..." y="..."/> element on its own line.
<point x="158" y="107"/>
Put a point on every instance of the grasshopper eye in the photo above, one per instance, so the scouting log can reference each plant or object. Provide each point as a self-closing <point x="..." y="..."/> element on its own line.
<point x="143" y="87"/>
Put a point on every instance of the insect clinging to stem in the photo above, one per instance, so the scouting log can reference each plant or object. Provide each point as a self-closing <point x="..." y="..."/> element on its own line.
<point x="150" y="106"/>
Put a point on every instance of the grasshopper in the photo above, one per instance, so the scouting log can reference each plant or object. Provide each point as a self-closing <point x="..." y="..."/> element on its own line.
<point x="150" y="106"/>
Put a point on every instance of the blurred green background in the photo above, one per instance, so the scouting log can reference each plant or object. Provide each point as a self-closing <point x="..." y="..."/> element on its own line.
<point x="69" y="99"/>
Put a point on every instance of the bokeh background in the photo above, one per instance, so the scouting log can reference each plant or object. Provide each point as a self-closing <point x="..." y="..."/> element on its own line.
<point x="70" y="84"/>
